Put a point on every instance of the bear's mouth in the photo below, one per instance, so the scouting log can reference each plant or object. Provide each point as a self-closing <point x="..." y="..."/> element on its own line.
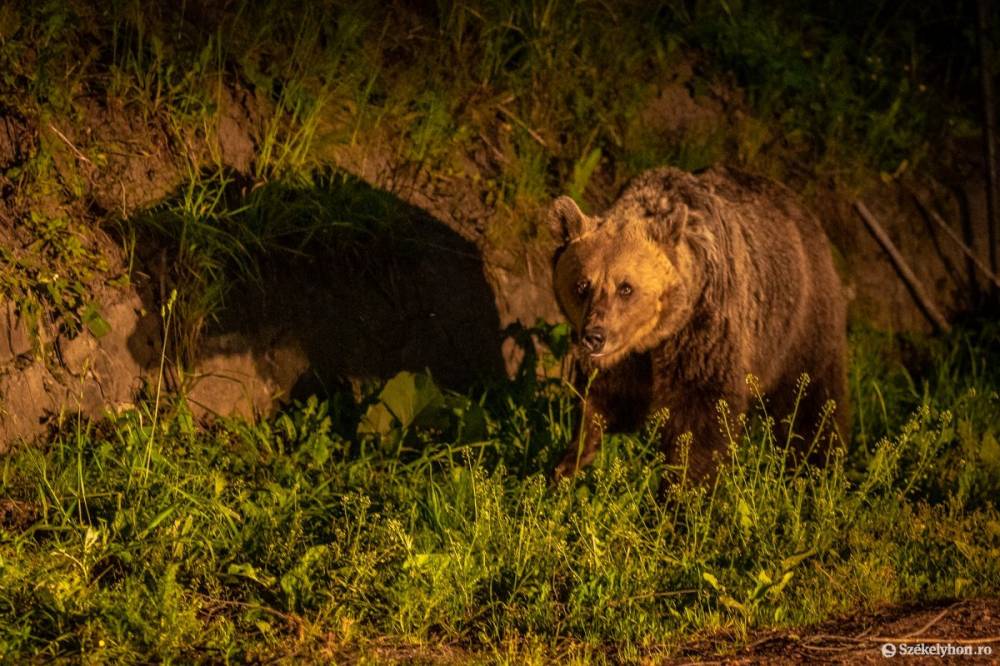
<point x="601" y="357"/>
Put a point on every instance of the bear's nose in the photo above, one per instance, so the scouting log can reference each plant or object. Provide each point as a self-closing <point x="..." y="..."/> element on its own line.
<point x="593" y="339"/>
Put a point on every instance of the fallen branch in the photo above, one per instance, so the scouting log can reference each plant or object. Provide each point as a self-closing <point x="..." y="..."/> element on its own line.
<point x="76" y="151"/>
<point x="958" y="241"/>
<point x="915" y="635"/>
<point x="523" y="125"/>
<point x="935" y="639"/>
<point x="293" y="621"/>
<point x="916" y="288"/>
<point x="934" y="620"/>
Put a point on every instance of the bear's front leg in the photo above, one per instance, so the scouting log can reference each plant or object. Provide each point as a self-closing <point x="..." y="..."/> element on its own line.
<point x="697" y="414"/>
<point x="585" y="445"/>
<point x="615" y="399"/>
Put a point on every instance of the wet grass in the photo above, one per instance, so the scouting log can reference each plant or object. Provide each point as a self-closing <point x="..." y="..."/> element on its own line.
<point x="136" y="539"/>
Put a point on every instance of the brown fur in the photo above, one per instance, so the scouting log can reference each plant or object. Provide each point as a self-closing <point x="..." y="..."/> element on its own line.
<point x="694" y="282"/>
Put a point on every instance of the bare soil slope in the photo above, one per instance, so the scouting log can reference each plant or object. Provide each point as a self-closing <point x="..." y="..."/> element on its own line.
<point x="439" y="303"/>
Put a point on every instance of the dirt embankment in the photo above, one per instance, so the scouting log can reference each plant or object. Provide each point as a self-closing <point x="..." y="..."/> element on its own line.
<point x="94" y="174"/>
<point x="434" y="297"/>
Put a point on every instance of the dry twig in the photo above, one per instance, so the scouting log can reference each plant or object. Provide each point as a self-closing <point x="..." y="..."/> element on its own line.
<point x="904" y="270"/>
<point x="76" y="151"/>
<point x="958" y="241"/>
<point x="523" y="125"/>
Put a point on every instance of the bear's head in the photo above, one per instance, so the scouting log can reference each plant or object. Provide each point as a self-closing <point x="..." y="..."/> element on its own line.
<point x="625" y="281"/>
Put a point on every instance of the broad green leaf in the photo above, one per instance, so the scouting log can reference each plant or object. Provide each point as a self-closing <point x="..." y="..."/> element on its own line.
<point x="989" y="452"/>
<point x="94" y="322"/>
<point x="247" y="570"/>
<point x="378" y="420"/>
<point x="471" y="418"/>
<point x="792" y="561"/>
<point x="780" y="585"/>
<point x="730" y="602"/>
<point x="407" y="395"/>
<point x="435" y="561"/>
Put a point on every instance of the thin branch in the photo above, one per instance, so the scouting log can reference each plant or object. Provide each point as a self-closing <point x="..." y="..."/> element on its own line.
<point x="80" y="156"/>
<point x="935" y="639"/>
<point x="958" y="241"/>
<point x="523" y="125"/>
<point x="292" y="620"/>
<point x="934" y="620"/>
<point x="904" y="270"/>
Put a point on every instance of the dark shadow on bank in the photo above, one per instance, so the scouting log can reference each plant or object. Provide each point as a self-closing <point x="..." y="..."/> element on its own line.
<point x="334" y="284"/>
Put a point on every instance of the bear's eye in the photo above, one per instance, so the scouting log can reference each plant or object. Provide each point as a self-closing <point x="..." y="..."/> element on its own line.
<point x="624" y="290"/>
<point x="582" y="287"/>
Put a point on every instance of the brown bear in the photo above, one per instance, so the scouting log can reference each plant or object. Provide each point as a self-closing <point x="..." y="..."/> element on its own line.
<point x="683" y="288"/>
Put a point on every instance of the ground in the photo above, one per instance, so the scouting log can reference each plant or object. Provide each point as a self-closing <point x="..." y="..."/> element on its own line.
<point x="860" y="639"/>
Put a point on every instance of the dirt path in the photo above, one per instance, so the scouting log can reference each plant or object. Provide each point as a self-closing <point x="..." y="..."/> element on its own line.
<point x="963" y="631"/>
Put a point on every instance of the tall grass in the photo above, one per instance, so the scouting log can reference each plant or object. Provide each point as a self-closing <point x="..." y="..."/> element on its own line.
<point x="297" y="536"/>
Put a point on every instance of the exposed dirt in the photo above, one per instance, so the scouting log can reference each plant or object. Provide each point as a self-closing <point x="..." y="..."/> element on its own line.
<point x="122" y="159"/>
<point x="519" y="275"/>
<point x="110" y="161"/>
<point x="677" y="111"/>
<point x="86" y="374"/>
<point x="878" y="295"/>
<point x="908" y="633"/>
<point x="17" y="516"/>
<point x="970" y="629"/>
<point x="308" y="325"/>
<point x="437" y="299"/>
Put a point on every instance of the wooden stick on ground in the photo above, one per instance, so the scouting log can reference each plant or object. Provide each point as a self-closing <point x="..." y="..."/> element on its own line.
<point x="958" y="241"/>
<point x="916" y="288"/>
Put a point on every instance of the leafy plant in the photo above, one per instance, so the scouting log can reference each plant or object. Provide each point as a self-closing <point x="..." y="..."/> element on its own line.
<point x="286" y="538"/>
<point x="412" y="402"/>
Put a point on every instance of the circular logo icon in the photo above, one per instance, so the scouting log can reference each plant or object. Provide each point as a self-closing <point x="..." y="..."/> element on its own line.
<point x="888" y="650"/>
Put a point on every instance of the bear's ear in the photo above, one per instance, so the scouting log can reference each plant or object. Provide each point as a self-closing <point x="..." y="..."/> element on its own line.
<point x="667" y="227"/>
<point x="566" y="221"/>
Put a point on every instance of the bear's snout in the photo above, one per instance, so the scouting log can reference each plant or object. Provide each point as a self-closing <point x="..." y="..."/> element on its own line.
<point x="593" y="339"/>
